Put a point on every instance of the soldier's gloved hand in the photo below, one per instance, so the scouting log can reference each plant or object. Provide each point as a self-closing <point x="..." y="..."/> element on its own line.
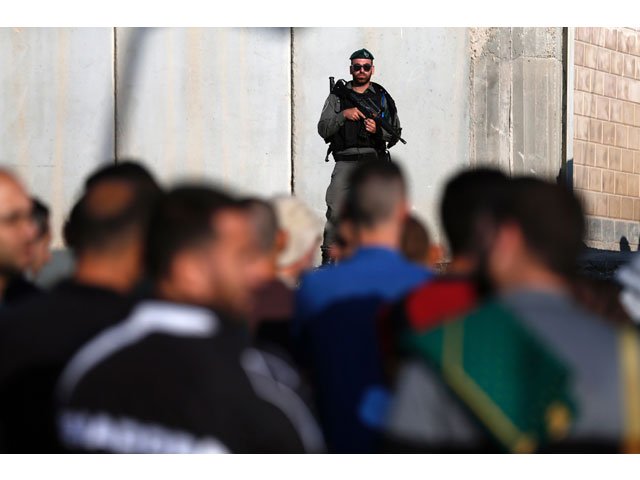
<point x="370" y="125"/>
<point x="353" y="114"/>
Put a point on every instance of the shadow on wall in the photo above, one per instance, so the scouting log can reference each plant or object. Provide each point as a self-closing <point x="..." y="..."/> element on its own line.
<point x="625" y="246"/>
<point x="565" y="174"/>
<point x="565" y="177"/>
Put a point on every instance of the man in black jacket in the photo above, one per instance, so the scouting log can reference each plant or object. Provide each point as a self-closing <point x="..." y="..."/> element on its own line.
<point x="106" y="232"/>
<point x="179" y="374"/>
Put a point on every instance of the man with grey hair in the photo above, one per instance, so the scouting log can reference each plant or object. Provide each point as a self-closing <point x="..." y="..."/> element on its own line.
<point x="334" y="325"/>
<point x="302" y="230"/>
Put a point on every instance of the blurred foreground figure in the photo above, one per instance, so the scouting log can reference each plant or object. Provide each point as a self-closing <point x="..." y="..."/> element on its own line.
<point x="179" y="375"/>
<point x="300" y="234"/>
<point x="267" y="238"/>
<point x="41" y="245"/>
<point x="533" y="370"/>
<point x="628" y="278"/>
<point x="334" y="326"/>
<point x="303" y="233"/>
<point x="604" y="297"/>
<point x="344" y="242"/>
<point x="17" y="232"/>
<point x="467" y="213"/>
<point x="268" y="301"/>
<point x="105" y="231"/>
<point x="416" y="243"/>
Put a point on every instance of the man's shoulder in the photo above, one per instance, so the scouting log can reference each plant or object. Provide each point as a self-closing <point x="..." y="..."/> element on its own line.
<point x="438" y="299"/>
<point x="413" y="271"/>
<point x="67" y="304"/>
<point x="20" y="290"/>
<point x="380" y="88"/>
<point x="320" y="277"/>
<point x="358" y="274"/>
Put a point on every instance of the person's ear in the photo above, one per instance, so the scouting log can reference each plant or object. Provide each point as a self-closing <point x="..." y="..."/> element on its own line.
<point x="373" y="69"/>
<point x="505" y="250"/>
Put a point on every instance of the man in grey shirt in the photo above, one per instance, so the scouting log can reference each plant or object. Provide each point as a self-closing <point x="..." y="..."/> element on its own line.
<point x="353" y="138"/>
<point x="531" y="262"/>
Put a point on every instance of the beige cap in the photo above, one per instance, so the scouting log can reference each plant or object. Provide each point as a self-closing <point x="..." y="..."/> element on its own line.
<point x="302" y="226"/>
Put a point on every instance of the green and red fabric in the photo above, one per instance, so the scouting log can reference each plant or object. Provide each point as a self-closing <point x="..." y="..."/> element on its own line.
<point x="513" y="383"/>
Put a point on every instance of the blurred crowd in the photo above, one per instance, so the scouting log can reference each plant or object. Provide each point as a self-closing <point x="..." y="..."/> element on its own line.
<point x="196" y="321"/>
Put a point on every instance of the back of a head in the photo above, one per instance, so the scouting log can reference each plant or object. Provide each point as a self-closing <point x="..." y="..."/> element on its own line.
<point x="376" y="190"/>
<point x="551" y="220"/>
<point x="303" y="228"/>
<point x="128" y="170"/>
<point x="469" y="197"/>
<point x="182" y="219"/>
<point x="113" y="211"/>
<point x="117" y="201"/>
<point x="264" y="220"/>
<point x="415" y="241"/>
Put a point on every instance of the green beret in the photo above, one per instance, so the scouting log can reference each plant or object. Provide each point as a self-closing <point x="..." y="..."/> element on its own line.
<point x="362" y="53"/>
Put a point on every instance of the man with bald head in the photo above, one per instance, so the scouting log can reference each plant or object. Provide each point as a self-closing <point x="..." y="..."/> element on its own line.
<point x="17" y="231"/>
<point x="105" y="231"/>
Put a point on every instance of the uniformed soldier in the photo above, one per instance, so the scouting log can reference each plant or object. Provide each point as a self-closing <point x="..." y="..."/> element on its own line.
<point x="353" y="138"/>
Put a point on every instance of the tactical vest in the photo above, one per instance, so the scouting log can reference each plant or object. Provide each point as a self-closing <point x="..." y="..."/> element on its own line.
<point x="354" y="134"/>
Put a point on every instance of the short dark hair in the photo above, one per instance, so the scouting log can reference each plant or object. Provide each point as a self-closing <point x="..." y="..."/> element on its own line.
<point x="469" y="197"/>
<point x="415" y="240"/>
<point x="95" y="226"/>
<point x="182" y="219"/>
<point x="41" y="217"/>
<point x="265" y="220"/>
<point x="125" y="169"/>
<point x="551" y="220"/>
<point x="375" y="188"/>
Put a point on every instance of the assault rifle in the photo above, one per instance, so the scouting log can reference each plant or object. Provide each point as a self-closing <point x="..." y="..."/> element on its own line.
<point x="367" y="107"/>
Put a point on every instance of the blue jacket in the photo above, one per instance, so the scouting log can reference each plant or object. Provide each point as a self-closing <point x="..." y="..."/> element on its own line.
<point x="334" y="329"/>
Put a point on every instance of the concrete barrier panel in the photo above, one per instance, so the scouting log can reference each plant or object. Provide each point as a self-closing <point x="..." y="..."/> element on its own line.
<point x="426" y="70"/>
<point x="56" y="109"/>
<point x="211" y="102"/>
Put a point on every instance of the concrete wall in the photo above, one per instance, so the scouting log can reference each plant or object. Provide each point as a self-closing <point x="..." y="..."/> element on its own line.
<point x="426" y="70"/>
<point x="517" y="99"/>
<point x="211" y="102"/>
<point x="241" y="106"/>
<point x="218" y="103"/>
<point x="56" y="108"/>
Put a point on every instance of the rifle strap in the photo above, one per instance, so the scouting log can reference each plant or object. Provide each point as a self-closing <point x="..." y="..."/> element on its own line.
<point x="326" y="159"/>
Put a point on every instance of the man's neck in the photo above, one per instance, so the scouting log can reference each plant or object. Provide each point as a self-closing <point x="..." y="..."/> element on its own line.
<point x="360" y="88"/>
<point x="536" y="278"/>
<point x="110" y="272"/>
<point x="387" y="236"/>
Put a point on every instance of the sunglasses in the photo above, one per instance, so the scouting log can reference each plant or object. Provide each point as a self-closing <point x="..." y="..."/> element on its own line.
<point x="357" y="66"/>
